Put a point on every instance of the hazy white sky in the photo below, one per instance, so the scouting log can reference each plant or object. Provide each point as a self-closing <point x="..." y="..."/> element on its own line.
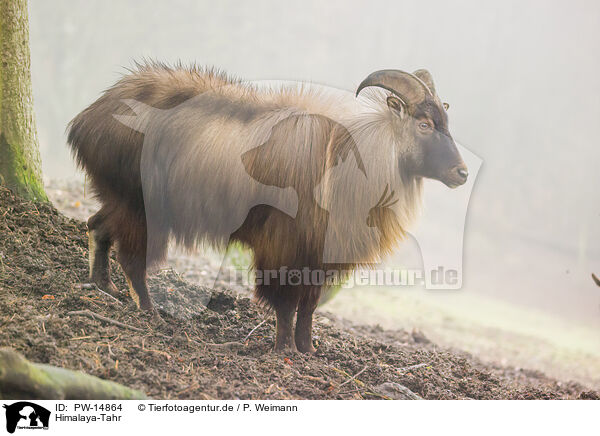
<point x="521" y="78"/>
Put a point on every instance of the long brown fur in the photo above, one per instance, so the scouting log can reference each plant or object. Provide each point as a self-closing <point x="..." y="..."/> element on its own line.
<point x="199" y="186"/>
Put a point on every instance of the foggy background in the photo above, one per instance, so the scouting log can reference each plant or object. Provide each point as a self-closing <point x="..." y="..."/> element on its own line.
<point x="521" y="79"/>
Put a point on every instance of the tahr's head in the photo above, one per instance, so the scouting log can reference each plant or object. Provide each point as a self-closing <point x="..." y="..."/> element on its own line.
<point x="420" y="121"/>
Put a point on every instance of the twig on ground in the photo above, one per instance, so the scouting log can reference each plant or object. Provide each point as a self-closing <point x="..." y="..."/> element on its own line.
<point x="163" y="353"/>
<point x="341" y="371"/>
<point x="192" y="340"/>
<point x="408" y="368"/>
<point x="312" y="378"/>
<point x="91" y="300"/>
<point x="353" y="378"/>
<point x="86" y="286"/>
<point x="107" y="345"/>
<point x="253" y="330"/>
<point x="93" y="315"/>
<point x="93" y="286"/>
<point x="10" y="320"/>
<point x="109" y="296"/>
<point x="226" y="346"/>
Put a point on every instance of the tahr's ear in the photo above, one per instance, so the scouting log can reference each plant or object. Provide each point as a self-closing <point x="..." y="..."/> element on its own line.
<point x="446" y="106"/>
<point x="396" y="105"/>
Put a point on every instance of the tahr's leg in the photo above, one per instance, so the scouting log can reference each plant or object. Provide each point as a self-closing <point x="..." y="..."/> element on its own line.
<point x="306" y="307"/>
<point x="284" y="300"/>
<point x="285" y="310"/>
<point x="100" y="242"/>
<point x="134" y="267"/>
<point x="132" y="245"/>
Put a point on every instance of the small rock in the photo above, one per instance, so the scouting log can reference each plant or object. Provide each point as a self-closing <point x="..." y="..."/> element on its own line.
<point x="396" y="391"/>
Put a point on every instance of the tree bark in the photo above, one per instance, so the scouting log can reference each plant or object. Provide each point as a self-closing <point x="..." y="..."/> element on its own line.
<point x="24" y="380"/>
<point x="20" y="165"/>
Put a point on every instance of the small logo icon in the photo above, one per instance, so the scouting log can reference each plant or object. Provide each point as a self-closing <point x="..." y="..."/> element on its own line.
<point x="26" y="415"/>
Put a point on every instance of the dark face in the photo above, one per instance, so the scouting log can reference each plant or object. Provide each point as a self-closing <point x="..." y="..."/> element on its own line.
<point x="435" y="155"/>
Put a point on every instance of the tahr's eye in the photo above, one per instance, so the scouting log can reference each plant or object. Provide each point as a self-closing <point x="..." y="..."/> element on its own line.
<point x="424" y="126"/>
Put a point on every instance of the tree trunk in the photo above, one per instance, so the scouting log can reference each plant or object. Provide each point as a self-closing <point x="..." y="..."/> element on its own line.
<point x="20" y="166"/>
<point x="23" y="380"/>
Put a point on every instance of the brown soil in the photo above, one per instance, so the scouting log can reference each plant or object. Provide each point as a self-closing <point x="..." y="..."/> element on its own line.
<point x="201" y="349"/>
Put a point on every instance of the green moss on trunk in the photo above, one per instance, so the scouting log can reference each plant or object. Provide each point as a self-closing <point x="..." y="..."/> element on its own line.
<point x="21" y="379"/>
<point x="20" y="166"/>
<point x="17" y="174"/>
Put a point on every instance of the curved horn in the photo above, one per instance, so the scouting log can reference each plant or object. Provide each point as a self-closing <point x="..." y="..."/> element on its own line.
<point x="425" y="76"/>
<point x="408" y="87"/>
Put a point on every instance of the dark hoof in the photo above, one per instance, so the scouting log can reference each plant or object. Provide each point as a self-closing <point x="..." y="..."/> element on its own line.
<point x="285" y="348"/>
<point x="108" y="287"/>
<point x="308" y="349"/>
<point x="153" y="316"/>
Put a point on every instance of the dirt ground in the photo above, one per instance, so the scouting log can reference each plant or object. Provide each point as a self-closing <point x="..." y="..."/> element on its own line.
<point x="215" y="343"/>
